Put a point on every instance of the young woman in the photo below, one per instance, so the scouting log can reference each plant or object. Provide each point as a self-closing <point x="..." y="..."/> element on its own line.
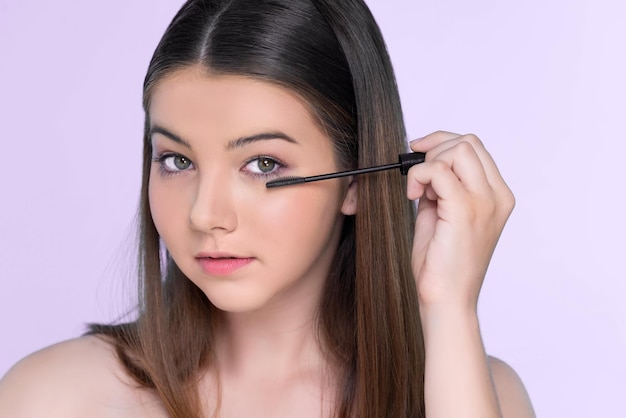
<point x="327" y="299"/>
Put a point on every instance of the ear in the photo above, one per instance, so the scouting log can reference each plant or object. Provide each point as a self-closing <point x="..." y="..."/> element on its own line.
<point x="349" y="201"/>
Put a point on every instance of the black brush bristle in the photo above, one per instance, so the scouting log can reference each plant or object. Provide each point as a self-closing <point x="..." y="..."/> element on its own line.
<point x="285" y="181"/>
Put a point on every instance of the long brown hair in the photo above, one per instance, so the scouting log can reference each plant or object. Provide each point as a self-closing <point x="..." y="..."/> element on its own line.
<point x="332" y="54"/>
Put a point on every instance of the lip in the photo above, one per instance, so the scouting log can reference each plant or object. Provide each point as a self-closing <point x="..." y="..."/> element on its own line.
<point x="222" y="264"/>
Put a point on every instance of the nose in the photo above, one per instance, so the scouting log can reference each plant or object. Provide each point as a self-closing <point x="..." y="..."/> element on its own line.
<point x="213" y="209"/>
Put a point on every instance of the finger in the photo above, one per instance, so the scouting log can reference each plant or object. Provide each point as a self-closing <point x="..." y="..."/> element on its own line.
<point x="466" y="164"/>
<point x="484" y="179"/>
<point x="464" y="160"/>
<point x="432" y="140"/>
<point x="491" y="169"/>
<point x="492" y="186"/>
<point x="436" y="143"/>
<point x="438" y="180"/>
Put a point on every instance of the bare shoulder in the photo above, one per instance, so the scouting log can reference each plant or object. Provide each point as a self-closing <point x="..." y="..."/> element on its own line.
<point x="80" y="377"/>
<point x="512" y="395"/>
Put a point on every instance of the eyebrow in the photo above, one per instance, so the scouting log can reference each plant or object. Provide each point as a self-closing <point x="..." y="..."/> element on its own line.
<point x="156" y="129"/>
<point x="242" y="142"/>
<point x="234" y="144"/>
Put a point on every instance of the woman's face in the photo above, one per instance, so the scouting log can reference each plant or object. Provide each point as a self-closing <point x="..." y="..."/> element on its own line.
<point x="216" y="141"/>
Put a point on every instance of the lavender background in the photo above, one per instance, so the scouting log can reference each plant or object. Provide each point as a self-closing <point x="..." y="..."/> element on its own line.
<point x="542" y="83"/>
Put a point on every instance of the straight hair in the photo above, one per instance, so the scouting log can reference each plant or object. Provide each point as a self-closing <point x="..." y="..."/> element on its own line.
<point x="332" y="54"/>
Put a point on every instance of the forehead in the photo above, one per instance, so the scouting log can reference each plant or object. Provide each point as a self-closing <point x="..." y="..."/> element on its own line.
<point x="193" y="99"/>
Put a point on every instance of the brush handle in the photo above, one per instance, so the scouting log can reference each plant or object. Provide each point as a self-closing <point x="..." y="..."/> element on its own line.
<point x="409" y="160"/>
<point x="405" y="162"/>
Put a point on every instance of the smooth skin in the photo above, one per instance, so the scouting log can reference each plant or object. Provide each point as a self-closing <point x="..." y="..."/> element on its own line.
<point x="267" y="353"/>
<point x="464" y="204"/>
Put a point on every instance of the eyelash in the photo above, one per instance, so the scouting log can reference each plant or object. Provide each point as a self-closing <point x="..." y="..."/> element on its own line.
<point x="265" y="176"/>
<point x="163" y="157"/>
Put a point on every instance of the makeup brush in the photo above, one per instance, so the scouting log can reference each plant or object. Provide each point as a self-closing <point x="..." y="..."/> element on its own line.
<point x="405" y="161"/>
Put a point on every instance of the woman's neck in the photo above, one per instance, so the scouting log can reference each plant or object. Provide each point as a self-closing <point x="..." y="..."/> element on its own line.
<point x="254" y="348"/>
<point x="279" y="340"/>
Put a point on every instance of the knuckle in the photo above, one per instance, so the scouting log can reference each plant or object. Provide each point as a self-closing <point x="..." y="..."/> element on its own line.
<point x="473" y="139"/>
<point x="504" y="203"/>
<point x="445" y="135"/>
<point x="509" y="200"/>
<point x="439" y="166"/>
<point x="465" y="148"/>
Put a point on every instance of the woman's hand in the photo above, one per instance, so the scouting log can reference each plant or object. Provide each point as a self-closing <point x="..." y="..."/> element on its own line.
<point x="463" y="206"/>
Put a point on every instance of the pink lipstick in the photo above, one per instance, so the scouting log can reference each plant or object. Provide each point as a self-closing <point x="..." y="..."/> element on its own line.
<point x="222" y="266"/>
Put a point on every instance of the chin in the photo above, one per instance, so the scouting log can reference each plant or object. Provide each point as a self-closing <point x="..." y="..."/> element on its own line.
<point x="236" y="302"/>
<point x="236" y="307"/>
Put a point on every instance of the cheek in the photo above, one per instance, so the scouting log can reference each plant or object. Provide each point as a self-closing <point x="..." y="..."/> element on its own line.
<point x="297" y="216"/>
<point x="166" y="207"/>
